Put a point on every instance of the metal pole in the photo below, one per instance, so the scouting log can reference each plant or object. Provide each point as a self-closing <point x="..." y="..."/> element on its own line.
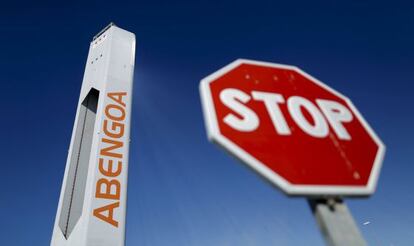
<point x="335" y="222"/>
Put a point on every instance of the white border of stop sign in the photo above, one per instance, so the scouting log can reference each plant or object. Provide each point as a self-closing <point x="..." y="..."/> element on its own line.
<point x="215" y="136"/>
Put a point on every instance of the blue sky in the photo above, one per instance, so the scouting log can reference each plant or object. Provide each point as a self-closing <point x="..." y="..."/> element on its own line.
<point x="182" y="189"/>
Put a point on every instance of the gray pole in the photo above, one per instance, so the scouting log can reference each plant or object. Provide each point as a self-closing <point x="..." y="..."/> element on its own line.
<point x="335" y="222"/>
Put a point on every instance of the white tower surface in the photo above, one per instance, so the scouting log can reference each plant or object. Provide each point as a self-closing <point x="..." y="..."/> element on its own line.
<point x="92" y="203"/>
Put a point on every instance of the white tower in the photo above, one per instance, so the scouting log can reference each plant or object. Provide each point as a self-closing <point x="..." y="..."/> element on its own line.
<point x="92" y="203"/>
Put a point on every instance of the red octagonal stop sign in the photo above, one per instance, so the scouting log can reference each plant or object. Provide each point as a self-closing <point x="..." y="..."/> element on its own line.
<point x="297" y="132"/>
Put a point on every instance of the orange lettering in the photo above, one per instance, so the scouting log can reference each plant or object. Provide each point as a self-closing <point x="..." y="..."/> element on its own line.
<point x="112" y="116"/>
<point x="117" y="97"/>
<point x="115" y="145"/>
<point x="117" y="129"/>
<point x="98" y="212"/>
<point x="107" y="193"/>
<point x="112" y="144"/>
<point x="109" y="172"/>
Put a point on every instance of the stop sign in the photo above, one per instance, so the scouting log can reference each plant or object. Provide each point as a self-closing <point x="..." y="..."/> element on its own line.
<point x="300" y="134"/>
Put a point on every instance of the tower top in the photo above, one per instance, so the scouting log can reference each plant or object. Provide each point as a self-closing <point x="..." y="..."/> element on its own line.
<point x="103" y="30"/>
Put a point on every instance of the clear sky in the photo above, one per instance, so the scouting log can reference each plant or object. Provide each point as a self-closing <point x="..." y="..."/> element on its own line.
<point x="184" y="190"/>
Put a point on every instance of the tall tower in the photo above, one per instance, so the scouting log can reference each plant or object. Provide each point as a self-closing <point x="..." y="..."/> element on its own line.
<point x="92" y="203"/>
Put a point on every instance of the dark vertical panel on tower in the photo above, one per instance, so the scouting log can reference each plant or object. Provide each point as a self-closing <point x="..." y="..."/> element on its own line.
<point x="78" y="170"/>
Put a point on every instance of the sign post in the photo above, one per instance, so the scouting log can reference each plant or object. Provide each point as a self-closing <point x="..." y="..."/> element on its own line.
<point x="298" y="133"/>
<point x="335" y="222"/>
